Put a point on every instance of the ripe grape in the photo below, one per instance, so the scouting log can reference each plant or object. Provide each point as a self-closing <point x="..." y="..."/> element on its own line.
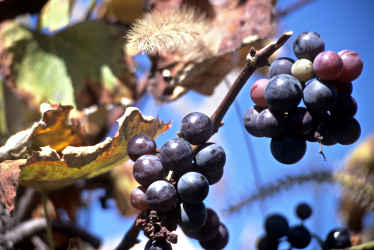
<point x="267" y="243"/>
<point x="148" y="168"/>
<point x="192" y="216"/>
<point x="327" y="130"/>
<point x="318" y="96"/>
<point x="288" y="150"/>
<point x="258" y="92"/>
<point x="209" y="230"/>
<point x="338" y="238"/>
<point x="328" y="65"/>
<point x="303" y="211"/>
<point x="281" y="65"/>
<point x="308" y="45"/>
<point x="283" y="93"/>
<point x="299" y="237"/>
<point x="157" y="245"/>
<point x="213" y="176"/>
<point x="141" y="145"/>
<point x="138" y="198"/>
<point x="219" y="241"/>
<point x="209" y="157"/>
<point x="161" y="196"/>
<point x="177" y="155"/>
<point x="300" y="122"/>
<point x="345" y="107"/>
<point x="302" y="69"/>
<point x="276" y="226"/>
<point x="345" y="88"/>
<point x="270" y="123"/>
<point x="250" y="119"/>
<point x="196" y="128"/>
<point x="193" y="187"/>
<point x="348" y="131"/>
<point x="352" y="65"/>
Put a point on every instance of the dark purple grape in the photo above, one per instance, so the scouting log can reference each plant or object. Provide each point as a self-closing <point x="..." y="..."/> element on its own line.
<point x="281" y="65"/>
<point x="303" y="211"/>
<point x="196" y="128"/>
<point x="193" y="187"/>
<point x="288" y="150"/>
<point x="250" y="119"/>
<point x="157" y="245"/>
<point x="213" y="176"/>
<point x="192" y="216"/>
<point x="138" y="198"/>
<point x="258" y="92"/>
<point x="148" y="168"/>
<point x="270" y="124"/>
<point x="141" y="145"/>
<point x="338" y="238"/>
<point x="209" y="157"/>
<point x="308" y="45"/>
<point x="177" y="155"/>
<point x="300" y="122"/>
<point x="318" y="96"/>
<point x="283" y="93"/>
<point x="344" y="88"/>
<point x="267" y="243"/>
<point x="299" y="237"/>
<point x="219" y="241"/>
<point x="345" y="107"/>
<point x="161" y="196"/>
<point x="327" y="133"/>
<point x="348" y="131"/>
<point x="209" y="230"/>
<point x="327" y="65"/>
<point x="276" y="226"/>
<point x="352" y="65"/>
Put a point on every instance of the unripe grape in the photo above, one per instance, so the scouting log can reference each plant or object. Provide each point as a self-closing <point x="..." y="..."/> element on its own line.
<point x="302" y="69"/>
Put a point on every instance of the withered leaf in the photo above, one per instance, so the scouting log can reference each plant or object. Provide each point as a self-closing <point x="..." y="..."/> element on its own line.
<point x="49" y="168"/>
<point x="123" y="11"/>
<point x="9" y="173"/>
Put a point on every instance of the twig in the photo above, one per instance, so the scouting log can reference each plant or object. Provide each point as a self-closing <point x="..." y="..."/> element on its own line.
<point x="282" y="184"/>
<point x="130" y="237"/>
<point x="249" y="145"/>
<point x="26" y="204"/>
<point x="291" y="8"/>
<point x="90" y="9"/>
<point x="35" y="226"/>
<point x="38" y="243"/>
<point x="49" y="228"/>
<point x="255" y="60"/>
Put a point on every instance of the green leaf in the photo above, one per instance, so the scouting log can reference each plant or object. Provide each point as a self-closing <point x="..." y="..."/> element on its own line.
<point x="82" y="65"/>
<point x="55" y="14"/>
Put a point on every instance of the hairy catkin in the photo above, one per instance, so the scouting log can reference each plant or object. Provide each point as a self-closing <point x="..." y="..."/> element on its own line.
<point x="184" y="31"/>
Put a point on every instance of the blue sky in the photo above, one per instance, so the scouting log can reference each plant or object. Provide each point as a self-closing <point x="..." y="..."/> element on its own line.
<point x="343" y="24"/>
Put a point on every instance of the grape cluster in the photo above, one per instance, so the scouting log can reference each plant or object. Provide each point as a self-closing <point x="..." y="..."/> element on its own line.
<point x="175" y="181"/>
<point x="298" y="236"/>
<point x="323" y="80"/>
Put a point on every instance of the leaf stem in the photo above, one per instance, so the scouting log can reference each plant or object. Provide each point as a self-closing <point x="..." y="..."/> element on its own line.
<point x="49" y="227"/>
<point x="255" y="60"/>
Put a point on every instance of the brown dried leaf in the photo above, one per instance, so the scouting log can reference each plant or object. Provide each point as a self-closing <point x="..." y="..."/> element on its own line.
<point x="9" y="173"/>
<point x="49" y="168"/>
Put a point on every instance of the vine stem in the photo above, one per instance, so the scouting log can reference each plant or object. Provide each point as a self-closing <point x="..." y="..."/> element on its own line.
<point x="49" y="227"/>
<point x="255" y="60"/>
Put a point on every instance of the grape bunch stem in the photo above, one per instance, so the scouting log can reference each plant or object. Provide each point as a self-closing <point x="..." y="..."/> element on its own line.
<point x="255" y="60"/>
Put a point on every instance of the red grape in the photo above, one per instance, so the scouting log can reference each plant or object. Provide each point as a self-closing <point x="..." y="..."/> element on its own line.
<point x="258" y="92"/>
<point x="352" y="65"/>
<point x="328" y="65"/>
<point x="138" y="199"/>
